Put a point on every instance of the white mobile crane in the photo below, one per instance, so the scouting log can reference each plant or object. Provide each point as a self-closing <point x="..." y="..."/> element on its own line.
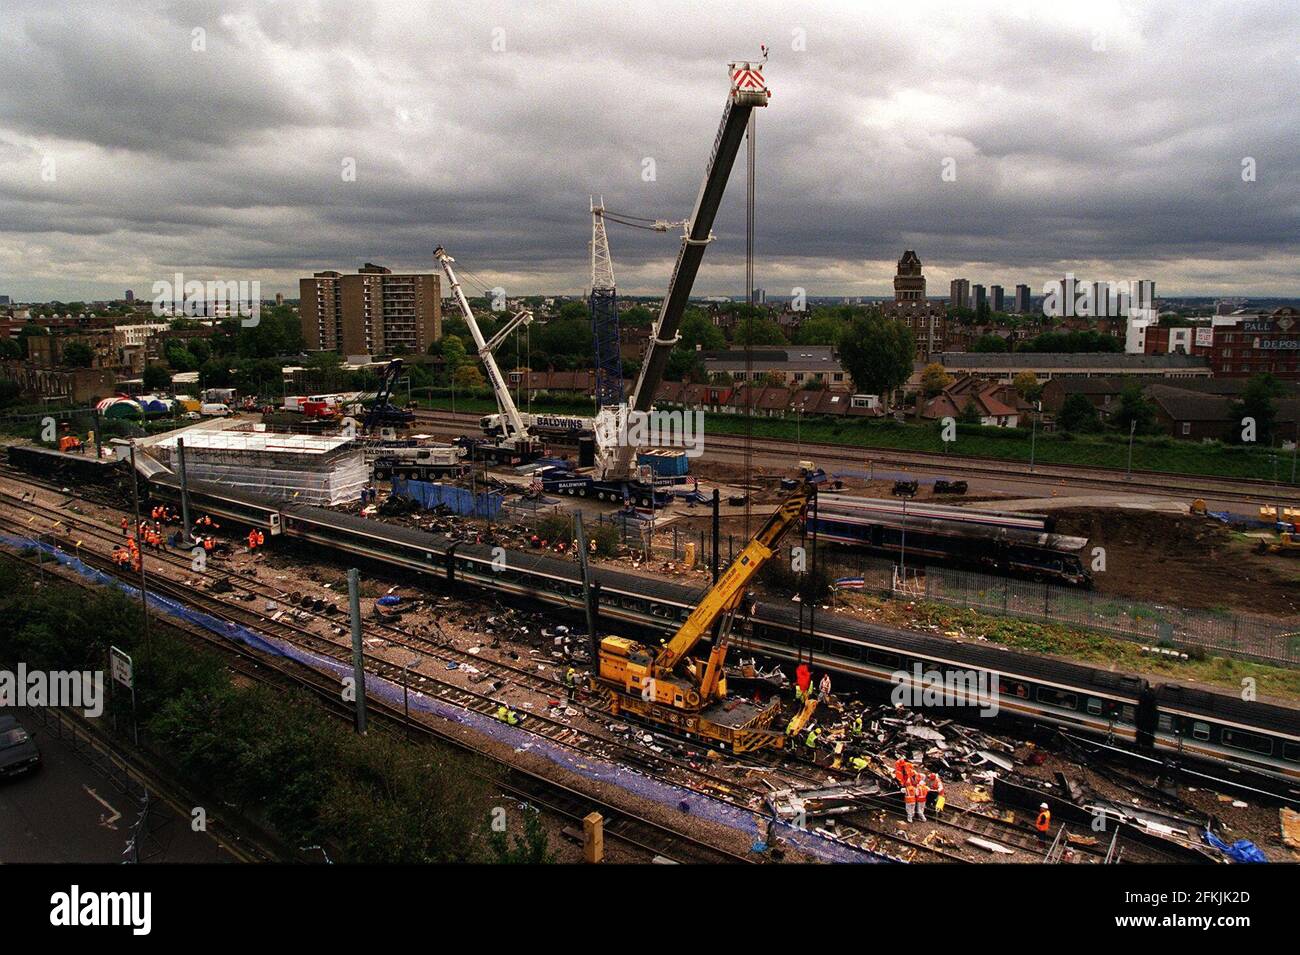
<point x="515" y="444"/>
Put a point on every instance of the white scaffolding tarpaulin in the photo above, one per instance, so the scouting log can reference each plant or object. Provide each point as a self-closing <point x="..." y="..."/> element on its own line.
<point x="308" y="469"/>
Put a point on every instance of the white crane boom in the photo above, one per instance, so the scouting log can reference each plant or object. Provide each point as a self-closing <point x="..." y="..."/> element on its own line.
<point x="512" y="423"/>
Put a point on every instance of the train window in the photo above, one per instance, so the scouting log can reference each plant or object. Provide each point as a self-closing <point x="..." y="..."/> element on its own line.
<point x="1057" y="698"/>
<point x="1015" y="688"/>
<point x="1253" y="742"/>
<point x="1291" y="752"/>
<point x="891" y="660"/>
<point x="1165" y="723"/>
<point x="1095" y="706"/>
<point x="1200" y="730"/>
<point x="1127" y="713"/>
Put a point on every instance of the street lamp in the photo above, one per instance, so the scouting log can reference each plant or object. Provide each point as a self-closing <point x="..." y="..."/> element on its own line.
<point x="1128" y="470"/>
<point x="1033" y="431"/>
<point x="902" y="553"/>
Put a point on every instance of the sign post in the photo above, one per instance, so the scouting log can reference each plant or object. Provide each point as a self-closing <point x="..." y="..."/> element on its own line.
<point x="122" y="669"/>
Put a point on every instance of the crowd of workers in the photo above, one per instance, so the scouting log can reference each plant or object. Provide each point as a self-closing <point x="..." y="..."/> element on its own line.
<point x="151" y="533"/>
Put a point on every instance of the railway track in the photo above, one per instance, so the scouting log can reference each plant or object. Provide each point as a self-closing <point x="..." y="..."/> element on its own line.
<point x="492" y="670"/>
<point x="1155" y="482"/>
<point x="635" y="830"/>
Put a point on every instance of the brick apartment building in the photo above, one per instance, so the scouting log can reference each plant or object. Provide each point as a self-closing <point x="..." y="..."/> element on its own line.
<point x="1235" y="346"/>
<point x="374" y="312"/>
<point x="1268" y="343"/>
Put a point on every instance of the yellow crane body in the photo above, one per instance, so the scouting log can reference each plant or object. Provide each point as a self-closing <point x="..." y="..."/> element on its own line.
<point x="667" y="685"/>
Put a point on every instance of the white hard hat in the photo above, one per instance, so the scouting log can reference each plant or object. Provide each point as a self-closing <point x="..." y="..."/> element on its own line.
<point x="1042" y="805"/>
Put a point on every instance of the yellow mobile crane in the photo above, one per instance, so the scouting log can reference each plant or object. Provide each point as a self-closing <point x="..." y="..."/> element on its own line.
<point x="667" y="685"/>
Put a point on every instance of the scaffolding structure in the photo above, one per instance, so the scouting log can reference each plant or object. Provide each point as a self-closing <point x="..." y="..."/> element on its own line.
<point x="302" y="468"/>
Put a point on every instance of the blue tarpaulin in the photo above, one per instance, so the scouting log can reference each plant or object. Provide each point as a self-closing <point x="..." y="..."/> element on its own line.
<point x="458" y="500"/>
<point x="1243" y="850"/>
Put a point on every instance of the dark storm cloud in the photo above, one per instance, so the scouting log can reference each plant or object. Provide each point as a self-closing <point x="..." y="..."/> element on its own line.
<point x="1105" y="138"/>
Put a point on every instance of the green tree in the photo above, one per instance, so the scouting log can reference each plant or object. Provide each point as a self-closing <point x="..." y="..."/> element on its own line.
<point x="821" y="329"/>
<point x="469" y="378"/>
<point x="877" y="353"/>
<point x="453" y="355"/>
<point x="990" y="344"/>
<point x="156" y="378"/>
<point x="1259" y="402"/>
<point x="1133" y="408"/>
<point x="934" y="379"/>
<point x="697" y="329"/>
<point x="637" y="316"/>
<point x="1027" y="386"/>
<point x="574" y="312"/>
<point x="566" y="337"/>
<point x="1077" y="415"/>
<point x="78" y="355"/>
<point x="755" y="330"/>
<point x="215" y="373"/>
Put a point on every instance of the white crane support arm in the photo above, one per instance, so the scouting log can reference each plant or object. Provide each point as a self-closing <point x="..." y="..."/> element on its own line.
<point x="520" y="319"/>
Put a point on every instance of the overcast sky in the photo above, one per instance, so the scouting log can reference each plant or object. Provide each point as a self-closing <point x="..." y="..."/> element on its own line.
<point x="1107" y="139"/>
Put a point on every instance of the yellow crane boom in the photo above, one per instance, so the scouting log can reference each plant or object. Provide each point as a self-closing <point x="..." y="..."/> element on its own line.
<point x="669" y="676"/>
<point x="726" y="594"/>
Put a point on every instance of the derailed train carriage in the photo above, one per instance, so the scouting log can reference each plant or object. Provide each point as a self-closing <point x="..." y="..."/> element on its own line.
<point x="1010" y="551"/>
<point x="75" y="470"/>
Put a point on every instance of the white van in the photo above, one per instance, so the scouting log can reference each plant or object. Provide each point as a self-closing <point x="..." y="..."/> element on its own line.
<point x="215" y="409"/>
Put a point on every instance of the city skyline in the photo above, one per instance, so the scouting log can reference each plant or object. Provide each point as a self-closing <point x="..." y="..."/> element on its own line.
<point x="1085" y="139"/>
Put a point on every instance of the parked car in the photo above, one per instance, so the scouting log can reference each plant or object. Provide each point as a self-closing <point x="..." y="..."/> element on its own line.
<point x="18" y="752"/>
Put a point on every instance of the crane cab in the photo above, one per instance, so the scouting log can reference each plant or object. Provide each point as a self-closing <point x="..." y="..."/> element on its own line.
<point x="628" y="666"/>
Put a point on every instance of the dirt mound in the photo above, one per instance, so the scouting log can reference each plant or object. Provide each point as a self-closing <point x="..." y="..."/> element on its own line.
<point x="1184" y="561"/>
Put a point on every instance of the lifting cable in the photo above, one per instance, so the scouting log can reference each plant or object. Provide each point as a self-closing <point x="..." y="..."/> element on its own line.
<point x="748" y="321"/>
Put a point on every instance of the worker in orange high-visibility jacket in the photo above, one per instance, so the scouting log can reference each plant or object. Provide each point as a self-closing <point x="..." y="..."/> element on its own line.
<point x="260" y="539"/>
<point x="1044" y="822"/>
<point x="903" y="771"/>
<point x="922" y="794"/>
<point x="909" y="800"/>
<point x="252" y="541"/>
<point x="935" y="785"/>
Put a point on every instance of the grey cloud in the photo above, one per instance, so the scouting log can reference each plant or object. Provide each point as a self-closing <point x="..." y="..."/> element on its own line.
<point x="230" y="160"/>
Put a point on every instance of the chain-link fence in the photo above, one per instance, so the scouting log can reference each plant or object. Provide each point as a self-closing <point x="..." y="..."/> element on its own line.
<point x="1233" y="634"/>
